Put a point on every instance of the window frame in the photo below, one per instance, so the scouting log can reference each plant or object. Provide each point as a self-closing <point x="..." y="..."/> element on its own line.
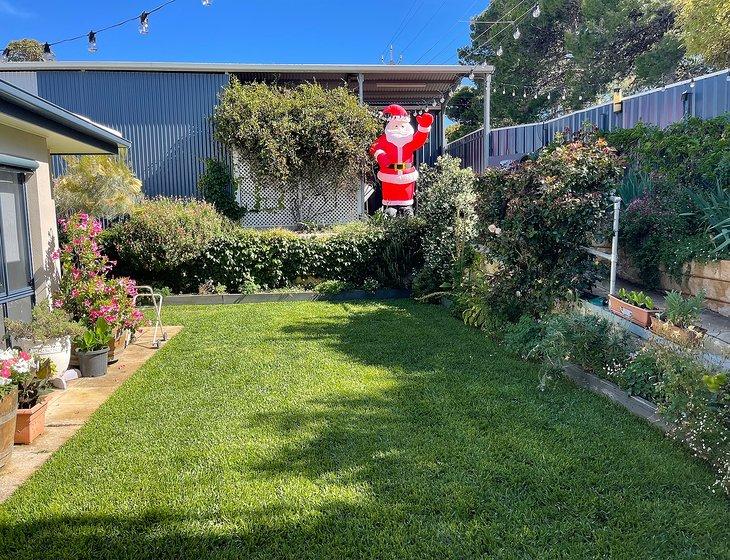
<point x="6" y="296"/>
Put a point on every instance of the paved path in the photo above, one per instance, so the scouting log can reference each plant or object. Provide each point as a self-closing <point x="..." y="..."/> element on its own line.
<point x="70" y="409"/>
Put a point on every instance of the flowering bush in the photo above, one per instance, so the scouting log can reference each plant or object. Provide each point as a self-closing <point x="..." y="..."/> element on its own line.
<point x="446" y="205"/>
<point x="15" y="367"/>
<point x="86" y="291"/>
<point x="535" y="219"/>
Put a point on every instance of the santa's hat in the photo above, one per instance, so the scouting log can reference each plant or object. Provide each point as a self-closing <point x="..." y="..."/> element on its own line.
<point x="396" y="113"/>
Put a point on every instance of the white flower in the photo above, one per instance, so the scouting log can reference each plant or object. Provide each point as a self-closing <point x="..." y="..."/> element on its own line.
<point x="22" y="366"/>
<point x="4" y="381"/>
<point x="498" y="231"/>
<point x="8" y="354"/>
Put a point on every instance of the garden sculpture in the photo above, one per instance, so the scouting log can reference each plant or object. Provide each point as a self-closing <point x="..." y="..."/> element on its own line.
<point x="394" y="152"/>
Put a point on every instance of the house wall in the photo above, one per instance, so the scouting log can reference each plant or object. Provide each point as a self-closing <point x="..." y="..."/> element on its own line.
<point x="41" y="207"/>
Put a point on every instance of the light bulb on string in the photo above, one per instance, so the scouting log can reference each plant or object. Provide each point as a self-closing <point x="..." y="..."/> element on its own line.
<point x="207" y="3"/>
<point x="580" y="98"/>
<point x="500" y="50"/>
<point x="144" y="24"/>
<point x="536" y="12"/>
<point x="535" y="96"/>
<point x="92" y="42"/>
<point x="548" y="96"/>
<point x="471" y="75"/>
<point x="563" y="93"/>
<point x="48" y="53"/>
<point x="692" y="83"/>
<point x="513" y="93"/>
<point x="504" y="91"/>
<point x="524" y="93"/>
<point x="517" y="33"/>
<point x="434" y="104"/>
<point x="6" y="55"/>
<point x="443" y="99"/>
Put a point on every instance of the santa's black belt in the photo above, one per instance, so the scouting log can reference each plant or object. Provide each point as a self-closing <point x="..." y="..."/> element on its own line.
<point x="400" y="166"/>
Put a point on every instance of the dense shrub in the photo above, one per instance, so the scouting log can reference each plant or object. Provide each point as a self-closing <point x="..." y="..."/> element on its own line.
<point x="676" y="193"/>
<point x="535" y="219"/>
<point x="161" y="238"/>
<point x="445" y="201"/>
<point x="692" y="153"/>
<point x="278" y="258"/>
<point x="217" y="186"/>
<point x="187" y="246"/>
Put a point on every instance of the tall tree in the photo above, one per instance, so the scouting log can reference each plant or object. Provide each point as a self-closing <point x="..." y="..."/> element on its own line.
<point x="567" y="57"/>
<point x="24" y="50"/>
<point x="705" y="28"/>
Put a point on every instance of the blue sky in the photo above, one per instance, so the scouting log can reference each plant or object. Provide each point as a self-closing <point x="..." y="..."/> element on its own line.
<point x="272" y="31"/>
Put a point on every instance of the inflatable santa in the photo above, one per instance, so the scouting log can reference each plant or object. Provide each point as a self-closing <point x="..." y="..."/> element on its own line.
<point x="394" y="152"/>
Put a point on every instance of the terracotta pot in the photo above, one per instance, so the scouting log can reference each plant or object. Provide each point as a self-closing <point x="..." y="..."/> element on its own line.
<point x="31" y="422"/>
<point x="637" y="315"/>
<point x="8" y="408"/>
<point x="116" y="349"/>
<point x="677" y="334"/>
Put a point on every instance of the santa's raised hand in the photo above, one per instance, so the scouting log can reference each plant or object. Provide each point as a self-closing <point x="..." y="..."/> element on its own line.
<point x="425" y="120"/>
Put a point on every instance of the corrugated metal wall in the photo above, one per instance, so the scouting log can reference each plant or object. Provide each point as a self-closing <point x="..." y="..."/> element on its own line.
<point x="23" y="80"/>
<point x="710" y="98"/>
<point x="165" y="115"/>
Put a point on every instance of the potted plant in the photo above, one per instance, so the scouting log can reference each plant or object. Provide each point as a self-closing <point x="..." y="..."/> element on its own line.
<point x="31" y="420"/>
<point x="680" y="321"/>
<point x="13" y="365"/>
<point x="637" y="307"/>
<point x="93" y="349"/>
<point x="48" y="335"/>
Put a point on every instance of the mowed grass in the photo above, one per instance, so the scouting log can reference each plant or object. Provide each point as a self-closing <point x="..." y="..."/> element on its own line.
<point x="376" y="430"/>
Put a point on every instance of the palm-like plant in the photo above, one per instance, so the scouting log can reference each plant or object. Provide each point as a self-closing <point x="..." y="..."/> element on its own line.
<point x="715" y="209"/>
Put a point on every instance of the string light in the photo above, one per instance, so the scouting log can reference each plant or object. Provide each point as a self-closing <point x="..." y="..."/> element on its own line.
<point x="500" y="50"/>
<point x="471" y="75"/>
<point x="6" y="54"/>
<point x="524" y="93"/>
<point x="563" y="93"/>
<point x="48" y="55"/>
<point x="517" y="33"/>
<point x="536" y="11"/>
<point x="144" y="23"/>
<point x="504" y="91"/>
<point x="513" y="93"/>
<point x="92" y="42"/>
<point x="692" y="83"/>
<point x="207" y="3"/>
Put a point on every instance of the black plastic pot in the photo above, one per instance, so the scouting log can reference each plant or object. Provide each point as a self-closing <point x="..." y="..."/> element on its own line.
<point x="94" y="364"/>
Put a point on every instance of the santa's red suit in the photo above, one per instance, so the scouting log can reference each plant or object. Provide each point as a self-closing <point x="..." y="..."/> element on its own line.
<point x="394" y="152"/>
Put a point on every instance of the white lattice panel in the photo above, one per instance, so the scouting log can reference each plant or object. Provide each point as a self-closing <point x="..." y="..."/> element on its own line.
<point x="324" y="205"/>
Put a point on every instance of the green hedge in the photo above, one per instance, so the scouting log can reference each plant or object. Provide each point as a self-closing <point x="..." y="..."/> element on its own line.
<point x="244" y="259"/>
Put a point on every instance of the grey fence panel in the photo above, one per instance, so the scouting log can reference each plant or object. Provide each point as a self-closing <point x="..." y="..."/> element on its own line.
<point x="165" y="115"/>
<point x="710" y="97"/>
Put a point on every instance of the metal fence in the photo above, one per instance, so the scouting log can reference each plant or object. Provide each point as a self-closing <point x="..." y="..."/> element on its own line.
<point x="706" y="97"/>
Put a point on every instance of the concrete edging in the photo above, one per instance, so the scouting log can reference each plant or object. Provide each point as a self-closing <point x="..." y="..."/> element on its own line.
<point x="230" y="299"/>
<point x="635" y="405"/>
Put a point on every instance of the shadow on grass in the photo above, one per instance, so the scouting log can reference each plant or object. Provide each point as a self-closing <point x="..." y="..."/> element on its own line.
<point x="437" y="446"/>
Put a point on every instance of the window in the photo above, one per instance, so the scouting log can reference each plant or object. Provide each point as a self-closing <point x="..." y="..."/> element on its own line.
<point x="16" y="280"/>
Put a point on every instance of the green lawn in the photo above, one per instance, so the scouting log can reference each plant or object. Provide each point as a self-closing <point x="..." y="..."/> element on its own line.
<point x="378" y="431"/>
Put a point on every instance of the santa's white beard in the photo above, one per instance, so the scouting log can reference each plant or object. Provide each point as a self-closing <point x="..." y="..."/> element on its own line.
<point x="399" y="140"/>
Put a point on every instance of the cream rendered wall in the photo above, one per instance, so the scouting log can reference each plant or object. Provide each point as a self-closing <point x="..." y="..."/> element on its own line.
<point x="41" y="207"/>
